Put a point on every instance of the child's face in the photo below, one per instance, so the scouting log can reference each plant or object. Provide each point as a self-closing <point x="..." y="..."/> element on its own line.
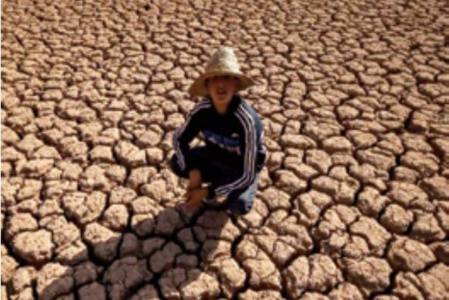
<point x="221" y="89"/>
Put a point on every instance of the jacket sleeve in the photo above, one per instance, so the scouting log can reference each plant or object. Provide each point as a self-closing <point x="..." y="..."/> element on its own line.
<point x="249" y="162"/>
<point x="185" y="134"/>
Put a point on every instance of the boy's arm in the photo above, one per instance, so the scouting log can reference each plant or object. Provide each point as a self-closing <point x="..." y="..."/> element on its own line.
<point x="249" y="159"/>
<point x="185" y="134"/>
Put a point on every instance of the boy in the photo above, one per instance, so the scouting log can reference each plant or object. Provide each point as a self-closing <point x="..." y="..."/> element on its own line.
<point x="234" y="154"/>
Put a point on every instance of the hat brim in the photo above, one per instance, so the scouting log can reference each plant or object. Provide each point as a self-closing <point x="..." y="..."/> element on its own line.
<point x="198" y="88"/>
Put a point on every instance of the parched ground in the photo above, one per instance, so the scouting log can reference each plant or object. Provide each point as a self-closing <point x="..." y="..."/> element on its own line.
<point x="353" y="202"/>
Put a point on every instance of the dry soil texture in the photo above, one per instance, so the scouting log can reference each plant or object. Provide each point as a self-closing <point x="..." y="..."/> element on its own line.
<point x="353" y="202"/>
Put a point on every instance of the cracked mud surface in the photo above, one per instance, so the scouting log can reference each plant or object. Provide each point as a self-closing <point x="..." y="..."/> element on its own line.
<point x="354" y="199"/>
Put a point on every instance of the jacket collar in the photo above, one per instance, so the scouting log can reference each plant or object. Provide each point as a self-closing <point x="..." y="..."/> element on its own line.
<point x="233" y="105"/>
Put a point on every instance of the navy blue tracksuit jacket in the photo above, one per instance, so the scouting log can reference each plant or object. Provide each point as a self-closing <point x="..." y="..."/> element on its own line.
<point x="235" y="139"/>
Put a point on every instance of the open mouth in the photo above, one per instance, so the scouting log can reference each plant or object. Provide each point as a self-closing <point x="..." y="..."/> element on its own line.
<point x="221" y="92"/>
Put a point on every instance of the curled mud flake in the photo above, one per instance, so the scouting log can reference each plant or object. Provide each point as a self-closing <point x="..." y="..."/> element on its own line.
<point x="231" y="276"/>
<point x="34" y="168"/>
<point x="346" y="291"/>
<point x="274" y="160"/>
<point x="217" y="225"/>
<point x="379" y="159"/>
<point x="337" y="144"/>
<point x="164" y="259"/>
<point x="9" y="136"/>
<point x="376" y="235"/>
<point x="171" y="281"/>
<point x="34" y="247"/>
<point x="9" y="265"/>
<point x="437" y="187"/>
<point x="124" y="275"/>
<point x="335" y="219"/>
<point x="371" y="202"/>
<point x="323" y="273"/>
<point x="362" y="139"/>
<point x="368" y="174"/>
<point x="29" y="144"/>
<point x="130" y="155"/>
<point x="409" y="196"/>
<point x="215" y="250"/>
<point x="155" y="156"/>
<point x="94" y="179"/>
<point x="303" y="171"/>
<point x="23" y="279"/>
<point x="143" y="221"/>
<point x="426" y="228"/>
<point x="296" y="277"/>
<point x="53" y="280"/>
<point x="10" y="154"/>
<point x="185" y="236"/>
<point x="167" y="222"/>
<point x="103" y="241"/>
<point x="140" y="176"/>
<point x="73" y="148"/>
<point x="102" y="154"/>
<point x="199" y="285"/>
<point x="297" y="141"/>
<point x="288" y="182"/>
<point x="72" y="254"/>
<point x="320" y="131"/>
<point x="370" y="275"/>
<point x="122" y="195"/>
<point x="131" y="245"/>
<point x="310" y="205"/>
<point x="115" y="217"/>
<point x="84" y="208"/>
<point x="48" y="152"/>
<point x="70" y="171"/>
<point x="149" y="138"/>
<point x="409" y="255"/>
<point x="433" y="282"/>
<point x="290" y="242"/>
<point x="187" y="261"/>
<point x="149" y="246"/>
<point x="407" y="285"/>
<point x="261" y="271"/>
<point x="352" y="246"/>
<point x="425" y="164"/>
<point x="64" y="233"/>
<point x="86" y="272"/>
<point x="325" y="185"/>
<point x="94" y="291"/>
<point x="441" y="251"/>
<point x="319" y="160"/>
<point x="396" y="219"/>
<point x="404" y="174"/>
<point x="156" y="189"/>
<point x="20" y="223"/>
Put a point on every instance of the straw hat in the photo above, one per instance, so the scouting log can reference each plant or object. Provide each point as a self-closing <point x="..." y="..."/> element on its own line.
<point x="223" y="62"/>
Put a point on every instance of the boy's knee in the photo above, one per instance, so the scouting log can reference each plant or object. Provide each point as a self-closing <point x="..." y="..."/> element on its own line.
<point x="240" y="206"/>
<point x="174" y="166"/>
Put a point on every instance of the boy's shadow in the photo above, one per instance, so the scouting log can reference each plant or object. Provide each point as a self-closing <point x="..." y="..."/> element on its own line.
<point x="176" y="255"/>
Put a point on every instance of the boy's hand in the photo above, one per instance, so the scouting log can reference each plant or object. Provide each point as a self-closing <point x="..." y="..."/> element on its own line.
<point x="194" y="197"/>
<point x="195" y="180"/>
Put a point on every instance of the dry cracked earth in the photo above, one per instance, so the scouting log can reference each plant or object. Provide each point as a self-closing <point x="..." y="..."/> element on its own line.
<point x="353" y="202"/>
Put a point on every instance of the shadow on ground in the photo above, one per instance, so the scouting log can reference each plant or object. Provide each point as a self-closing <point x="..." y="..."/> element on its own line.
<point x="171" y="257"/>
